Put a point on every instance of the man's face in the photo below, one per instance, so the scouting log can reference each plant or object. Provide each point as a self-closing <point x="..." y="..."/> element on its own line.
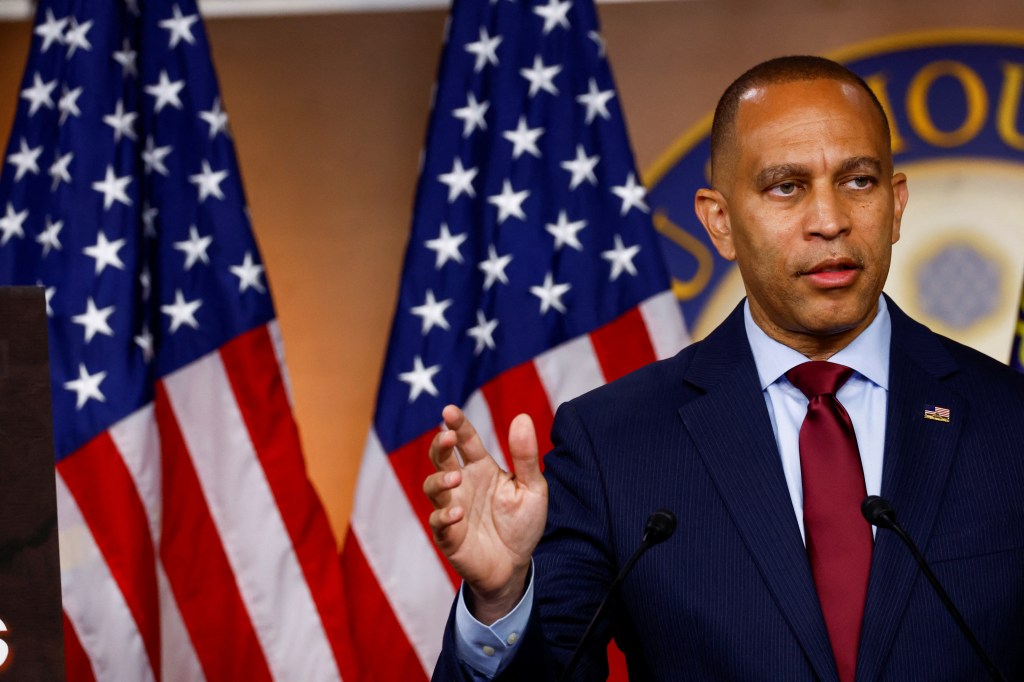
<point x="809" y="208"/>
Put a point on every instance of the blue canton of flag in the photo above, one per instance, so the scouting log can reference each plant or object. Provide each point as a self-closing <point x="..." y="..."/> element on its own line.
<point x="188" y="529"/>
<point x="532" y="274"/>
<point x="121" y="195"/>
<point x="530" y="226"/>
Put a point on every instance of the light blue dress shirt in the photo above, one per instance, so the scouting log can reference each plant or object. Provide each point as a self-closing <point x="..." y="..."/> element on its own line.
<point x="487" y="649"/>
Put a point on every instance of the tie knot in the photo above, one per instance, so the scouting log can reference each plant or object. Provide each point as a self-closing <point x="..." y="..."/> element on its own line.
<point x="818" y="377"/>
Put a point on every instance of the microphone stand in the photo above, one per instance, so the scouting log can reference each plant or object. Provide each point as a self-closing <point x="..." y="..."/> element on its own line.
<point x="879" y="512"/>
<point x="660" y="526"/>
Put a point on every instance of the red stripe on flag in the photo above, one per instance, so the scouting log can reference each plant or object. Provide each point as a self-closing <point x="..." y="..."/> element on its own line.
<point x="197" y="567"/>
<point x="383" y="651"/>
<point x="412" y="465"/>
<point x="258" y="387"/>
<point x="105" y="493"/>
<point x="623" y="345"/>
<point x="519" y="390"/>
<point x="77" y="667"/>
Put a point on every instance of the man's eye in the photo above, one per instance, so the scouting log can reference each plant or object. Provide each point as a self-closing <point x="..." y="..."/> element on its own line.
<point x="785" y="188"/>
<point x="861" y="182"/>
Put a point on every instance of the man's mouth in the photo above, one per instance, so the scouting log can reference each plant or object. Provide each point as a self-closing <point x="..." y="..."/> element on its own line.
<point x="832" y="273"/>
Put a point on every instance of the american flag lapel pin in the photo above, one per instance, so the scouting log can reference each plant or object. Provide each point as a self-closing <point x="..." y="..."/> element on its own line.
<point x="936" y="413"/>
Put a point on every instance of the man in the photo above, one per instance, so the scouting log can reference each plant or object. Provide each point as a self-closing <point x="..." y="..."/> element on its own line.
<point x="770" y="574"/>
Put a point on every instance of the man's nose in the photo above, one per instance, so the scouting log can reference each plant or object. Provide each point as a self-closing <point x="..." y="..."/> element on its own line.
<point x="829" y="213"/>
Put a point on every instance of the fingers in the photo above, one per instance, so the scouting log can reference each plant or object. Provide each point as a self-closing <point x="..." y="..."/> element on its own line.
<point x="438" y="486"/>
<point x="522" y="441"/>
<point x="465" y="437"/>
<point x="445" y="529"/>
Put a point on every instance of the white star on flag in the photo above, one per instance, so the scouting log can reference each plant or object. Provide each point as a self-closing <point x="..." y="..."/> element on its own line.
<point x="446" y="246"/>
<point x="86" y="386"/>
<point x="105" y="252"/>
<point x="509" y="202"/>
<point x="26" y="160"/>
<point x="596" y="101"/>
<point x="194" y="248"/>
<point x="75" y="37"/>
<point x="632" y="194"/>
<point x="541" y="77"/>
<point x="68" y="104"/>
<point x="127" y="57"/>
<point x="180" y="27"/>
<point x="146" y="282"/>
<point x="598" y="40"/>
<point x="11" y="225"/>
<point x="420" y="379"/>
<point x="472" y="115"/>
<point x="94" y="320"/>
<point x="484" y="49"/>
<point x="554" y="14"/>
<point x="149" y="215"/>
<point x="113" y="188"/>
<point x="208" y="182"/>
<point x="483" y="332"/>
<point x="565" y="232"/>
<point x="50" y="237"/>
<point x="621" y="258"/>
<point x="494" y="267"/>
<point x="153" y="157"/>
<point x="50" y="291"/>
<point x="431" y="311"/>
<point x="217" y="119"/>
<point x="59" y="170"/>
<point x="459" y="180"/>
<point x="51" y="30"/>
<point x="166" y="92"/>
<point x="524" y="139"/>
<point x="144" y="340"/>
<point x="39" y="94"/>
<point x="181" y="312"/>
<point x="582" y="168"/>
<point x="550" y="294"/>
<point x="248" y="274"/>
<point x="123" y="122"/>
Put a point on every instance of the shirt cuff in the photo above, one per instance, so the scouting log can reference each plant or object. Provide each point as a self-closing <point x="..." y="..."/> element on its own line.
<point x="489" y="649"/>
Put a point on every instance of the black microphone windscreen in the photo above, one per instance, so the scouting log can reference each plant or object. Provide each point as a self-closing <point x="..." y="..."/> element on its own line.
<point x="878" y="511"/>
<point x="660" y="526"/>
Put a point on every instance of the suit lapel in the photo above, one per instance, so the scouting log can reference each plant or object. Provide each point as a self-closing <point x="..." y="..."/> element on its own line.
<point x="918" y="458"/>
<point x="733" y="433"/>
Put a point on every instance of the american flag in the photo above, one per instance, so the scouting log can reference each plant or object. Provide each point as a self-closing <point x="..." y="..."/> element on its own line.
<point x="936" y="413"/>
<point x="192" y="544"/>
<point x="532" y="275"/>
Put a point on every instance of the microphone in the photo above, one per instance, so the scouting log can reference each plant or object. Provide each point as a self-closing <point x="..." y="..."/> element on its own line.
<point x="659" y="527"/>
<point x="878" y="512"/>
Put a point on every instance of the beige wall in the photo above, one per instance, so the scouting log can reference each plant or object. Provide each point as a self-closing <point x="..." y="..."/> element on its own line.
<point x="329" y="112"/>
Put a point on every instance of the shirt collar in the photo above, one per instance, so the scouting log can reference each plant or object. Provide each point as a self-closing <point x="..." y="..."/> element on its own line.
<point x="868" y="354"/>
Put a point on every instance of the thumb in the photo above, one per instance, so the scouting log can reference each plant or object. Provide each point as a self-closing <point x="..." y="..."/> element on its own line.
<point x="522" y="441"/>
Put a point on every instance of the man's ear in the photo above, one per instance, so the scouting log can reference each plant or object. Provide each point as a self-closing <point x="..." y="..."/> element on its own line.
<point x="900" y="194"/>
<point x="713" y="212"/>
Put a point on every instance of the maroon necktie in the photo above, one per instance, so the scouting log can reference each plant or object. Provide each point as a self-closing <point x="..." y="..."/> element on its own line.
<point x="839" y="542"/>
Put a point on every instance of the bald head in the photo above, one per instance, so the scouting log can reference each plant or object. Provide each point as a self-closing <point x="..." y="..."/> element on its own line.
<point x="772" y="72"/>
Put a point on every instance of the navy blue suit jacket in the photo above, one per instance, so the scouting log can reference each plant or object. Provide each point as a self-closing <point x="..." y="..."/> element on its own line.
<point x="730" y="595"/>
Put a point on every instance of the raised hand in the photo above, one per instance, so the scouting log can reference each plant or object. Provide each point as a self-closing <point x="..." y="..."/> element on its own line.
<point x="487" y="521"/>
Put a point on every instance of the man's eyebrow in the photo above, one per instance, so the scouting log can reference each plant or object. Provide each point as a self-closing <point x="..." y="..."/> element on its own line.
<point x="773" y="174"/>
<point x="869" y="164"/>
